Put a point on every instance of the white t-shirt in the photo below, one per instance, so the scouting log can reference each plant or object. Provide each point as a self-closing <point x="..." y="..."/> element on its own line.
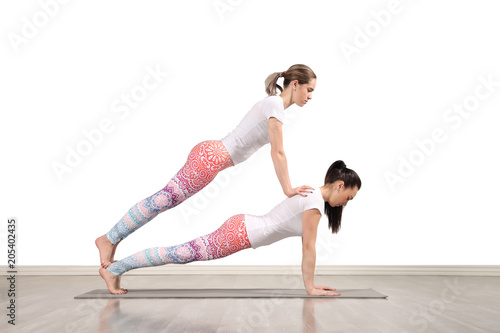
<point x="252" y="132"/>
<point x="284" y="220"/>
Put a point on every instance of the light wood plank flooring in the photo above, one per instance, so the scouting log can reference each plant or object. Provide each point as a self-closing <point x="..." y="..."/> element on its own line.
<point x="415" y="304"/>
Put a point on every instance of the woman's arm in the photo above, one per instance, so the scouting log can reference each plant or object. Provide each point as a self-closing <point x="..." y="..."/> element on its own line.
<point x="310" y="221"/>
<point x="279" y="159"/>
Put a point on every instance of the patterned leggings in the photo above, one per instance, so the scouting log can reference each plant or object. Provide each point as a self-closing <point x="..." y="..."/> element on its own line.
<point x="230" y="238"/>
<point x="204" y="162"/>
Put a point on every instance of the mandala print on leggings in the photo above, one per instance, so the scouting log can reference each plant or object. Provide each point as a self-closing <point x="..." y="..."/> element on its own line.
<point x="230" y="238"/>
<point x="204" y="162"/>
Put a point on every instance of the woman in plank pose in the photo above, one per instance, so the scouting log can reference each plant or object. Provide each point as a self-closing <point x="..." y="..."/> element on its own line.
<point x="295" y="216"/>
<point x="261" y="125"/>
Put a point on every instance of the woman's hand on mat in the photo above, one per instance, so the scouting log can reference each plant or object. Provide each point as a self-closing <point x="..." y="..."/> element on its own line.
<point x="303" y="190"/>
<point x="322" y="291"/>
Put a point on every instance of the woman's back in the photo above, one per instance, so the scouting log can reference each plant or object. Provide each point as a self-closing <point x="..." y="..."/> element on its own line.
<point x="252" y="132"/>
<point x="284" y="220"/>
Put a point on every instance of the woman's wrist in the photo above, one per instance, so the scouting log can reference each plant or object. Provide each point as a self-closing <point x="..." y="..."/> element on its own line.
<point x="309" y="289"/>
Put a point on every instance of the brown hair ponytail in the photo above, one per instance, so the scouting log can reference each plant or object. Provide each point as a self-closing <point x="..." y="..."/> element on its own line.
<point x="302" y="73"/>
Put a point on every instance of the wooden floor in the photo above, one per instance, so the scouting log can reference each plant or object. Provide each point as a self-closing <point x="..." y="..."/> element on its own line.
<point x="415" y="304"/>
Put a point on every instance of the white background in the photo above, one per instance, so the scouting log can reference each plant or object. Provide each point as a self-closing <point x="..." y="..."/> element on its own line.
<point x="369" y="109"/>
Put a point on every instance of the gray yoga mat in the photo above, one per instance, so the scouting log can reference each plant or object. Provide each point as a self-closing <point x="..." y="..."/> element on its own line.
<point x="227" y="293"/>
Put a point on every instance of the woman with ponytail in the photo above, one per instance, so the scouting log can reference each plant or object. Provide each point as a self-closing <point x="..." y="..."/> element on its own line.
<point x="295" y="216"/>
<point x="261" y="125"/>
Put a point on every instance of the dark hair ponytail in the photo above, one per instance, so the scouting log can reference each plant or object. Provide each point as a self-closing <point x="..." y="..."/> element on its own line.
<point x="339" y="171"/>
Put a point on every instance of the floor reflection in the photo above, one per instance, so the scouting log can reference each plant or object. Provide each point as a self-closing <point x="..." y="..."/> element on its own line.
<point x="310" y="323"/>
<point x="305" y="318"/>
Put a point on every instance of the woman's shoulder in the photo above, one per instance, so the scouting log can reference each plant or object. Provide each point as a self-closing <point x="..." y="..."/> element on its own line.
<point x="271" y="106"/>
<point x="313" y="200"/>
<point x="270" y="101"/>
<point x="275" y="100"/>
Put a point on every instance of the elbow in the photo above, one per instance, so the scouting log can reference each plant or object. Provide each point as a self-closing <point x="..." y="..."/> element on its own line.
<point x="309" y="249"/>
<point x="277" y="153"/>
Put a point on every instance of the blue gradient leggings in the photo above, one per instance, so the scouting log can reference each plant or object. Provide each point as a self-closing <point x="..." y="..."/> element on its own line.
<point x="230" y="238"/>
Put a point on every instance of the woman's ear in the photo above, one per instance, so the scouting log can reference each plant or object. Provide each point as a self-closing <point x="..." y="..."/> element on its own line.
<point x="340" y="185"/>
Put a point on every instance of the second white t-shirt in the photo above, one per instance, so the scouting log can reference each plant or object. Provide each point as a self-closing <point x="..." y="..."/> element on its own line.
<point x="252" y="132"/>
<point x="284" y="220"/>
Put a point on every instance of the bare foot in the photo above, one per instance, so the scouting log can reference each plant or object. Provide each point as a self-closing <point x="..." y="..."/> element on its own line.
<point x="112" y="281"/>
<point x="120" y="282"/>
<point x="106" y="250"/>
